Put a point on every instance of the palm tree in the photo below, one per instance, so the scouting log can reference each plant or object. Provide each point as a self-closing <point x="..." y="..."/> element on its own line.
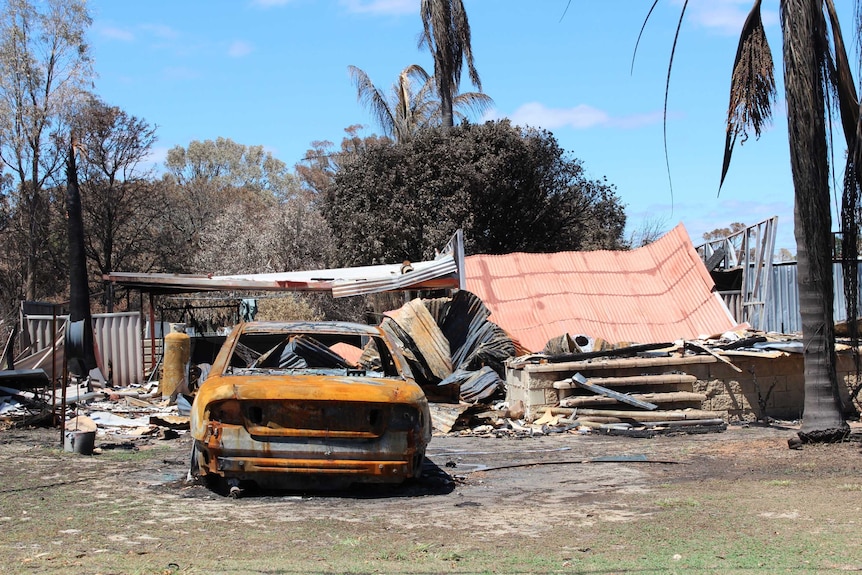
<point x="815" y="72"/>
<point x="447" y="35"/>
<point x="405" y="109"/>
<point x="412" y="103"/>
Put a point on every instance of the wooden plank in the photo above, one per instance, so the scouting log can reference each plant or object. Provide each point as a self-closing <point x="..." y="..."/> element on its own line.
<point x="627" y="363"/>
<point x="765" y="354"/>
<point x="633" y="380"/>
<point x="658" y="415"/>
<point x="625" y="351"/>
<point x="704" y="349"/>
<point x="649" y="398"/>
<point x="582" y="382"/>
<point x="684" y="422"/>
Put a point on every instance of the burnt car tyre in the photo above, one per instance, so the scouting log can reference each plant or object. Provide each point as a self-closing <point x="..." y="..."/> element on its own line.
<point x="194" y="468"/>
<point x="309" y="405"/>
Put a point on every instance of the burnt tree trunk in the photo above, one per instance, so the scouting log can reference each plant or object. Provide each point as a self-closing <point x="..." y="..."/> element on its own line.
<point x="822" y="418"/>
<point x="80" y="354"/>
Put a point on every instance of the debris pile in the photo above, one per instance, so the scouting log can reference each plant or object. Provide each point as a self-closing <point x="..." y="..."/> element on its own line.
<point x="630" y="389"/>
<point x="454" y="352"/>
<point x="26" y="397"/>
<point x="114" y="414"/>
<point x="577" y="384"/>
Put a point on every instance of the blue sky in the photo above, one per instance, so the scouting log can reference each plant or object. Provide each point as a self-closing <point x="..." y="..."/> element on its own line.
<point x="274" y="73"/>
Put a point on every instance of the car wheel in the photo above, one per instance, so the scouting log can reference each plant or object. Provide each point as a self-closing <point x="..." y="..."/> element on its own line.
<point x="418" y="461"/>
<point x="194" y="474"/>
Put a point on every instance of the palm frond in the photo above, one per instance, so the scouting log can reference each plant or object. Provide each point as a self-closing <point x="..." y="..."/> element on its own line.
<point x="851" y="213"/>
<point x="461" y="27"/>
<point x="667" y="91"/>
<point x="472" y="103"/>
<point x="842" y="80"/>
<point x="369" y="95"/>
<point x="640" y="34"/>
<point x="752" y="86"/>
<point x="851" y="198"/>
<point x="411" y="103"/>
<point x="416" y="73"/>
<point x="436" y="20"/>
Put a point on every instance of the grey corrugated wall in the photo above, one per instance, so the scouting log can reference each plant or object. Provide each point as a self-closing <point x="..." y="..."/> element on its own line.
<point x="782" y="310"/>
<point x="117" y="337"/>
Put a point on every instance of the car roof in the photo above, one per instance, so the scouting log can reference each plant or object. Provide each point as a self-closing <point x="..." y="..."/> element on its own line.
<point x="331" y="327"/>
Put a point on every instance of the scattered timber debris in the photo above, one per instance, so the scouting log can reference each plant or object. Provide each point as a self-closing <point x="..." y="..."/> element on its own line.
<point x="115" y="415"/>
<point x="580" y="384"/>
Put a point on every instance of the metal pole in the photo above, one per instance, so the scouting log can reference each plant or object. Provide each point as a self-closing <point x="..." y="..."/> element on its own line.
<point x="54" y="363"/>
<point x="152" y="333"/>
<point x="65" y="380"/>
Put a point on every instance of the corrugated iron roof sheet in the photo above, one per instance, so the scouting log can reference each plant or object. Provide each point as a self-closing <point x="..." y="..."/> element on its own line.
<point x="437" y="274"/>
<point x="657" y="293"/>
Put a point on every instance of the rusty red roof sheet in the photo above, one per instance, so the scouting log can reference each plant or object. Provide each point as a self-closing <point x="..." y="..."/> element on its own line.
<point x="658" y="293"/>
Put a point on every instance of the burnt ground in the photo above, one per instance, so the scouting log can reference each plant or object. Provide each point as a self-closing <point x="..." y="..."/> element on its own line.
<point x="127" y="509"/>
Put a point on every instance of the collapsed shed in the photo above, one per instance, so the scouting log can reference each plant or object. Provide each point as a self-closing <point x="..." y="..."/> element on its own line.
<point x="591" y="306"/>
<point x="658" y="293"/>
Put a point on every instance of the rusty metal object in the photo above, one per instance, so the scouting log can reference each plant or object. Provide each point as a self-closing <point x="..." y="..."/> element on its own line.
<point x="282" y="407"/>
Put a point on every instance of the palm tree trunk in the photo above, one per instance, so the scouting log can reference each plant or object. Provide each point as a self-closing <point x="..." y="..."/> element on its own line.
<point x="446" y="113"/>
<point x="822" y="418"/>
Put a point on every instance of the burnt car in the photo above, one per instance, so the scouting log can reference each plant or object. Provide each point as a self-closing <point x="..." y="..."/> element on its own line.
<point x="308" y="404"/>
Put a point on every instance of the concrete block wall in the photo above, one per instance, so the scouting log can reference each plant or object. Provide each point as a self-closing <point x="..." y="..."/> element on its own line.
<point x="766" y="387"/>
<point x="772" y="387"/>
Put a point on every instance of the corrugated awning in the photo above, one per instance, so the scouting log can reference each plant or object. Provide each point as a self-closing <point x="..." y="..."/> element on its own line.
<point x="444" y="272"/>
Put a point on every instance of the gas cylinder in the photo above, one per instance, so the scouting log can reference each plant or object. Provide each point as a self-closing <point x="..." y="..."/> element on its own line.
<point x="175" y="373"/>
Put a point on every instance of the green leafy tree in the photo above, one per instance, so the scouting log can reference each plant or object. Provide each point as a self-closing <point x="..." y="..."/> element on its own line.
<point x="446" y="34"/>
<point x="509" y="188"/>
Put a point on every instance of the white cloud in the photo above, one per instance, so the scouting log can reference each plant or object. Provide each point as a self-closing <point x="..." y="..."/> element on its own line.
<point x="382" y="7"/>
<point x="725" y="16"/>
<point x="238" y="49"/>
<point x="156" y="157"/>
<point x="116" y="33"/>
<point x="579" y="117"/>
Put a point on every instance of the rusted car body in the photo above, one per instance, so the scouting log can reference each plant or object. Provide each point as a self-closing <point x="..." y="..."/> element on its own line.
<point x="309" y="404"/>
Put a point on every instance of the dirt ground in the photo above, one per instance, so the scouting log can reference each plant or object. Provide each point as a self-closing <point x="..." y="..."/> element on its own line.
<point x="560" y="503"/>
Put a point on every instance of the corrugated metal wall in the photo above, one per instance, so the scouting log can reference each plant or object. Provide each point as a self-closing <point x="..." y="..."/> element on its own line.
<point x="39" y="329"/>
<point x="118" y="341"/>
<point x="782" y="311"/>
